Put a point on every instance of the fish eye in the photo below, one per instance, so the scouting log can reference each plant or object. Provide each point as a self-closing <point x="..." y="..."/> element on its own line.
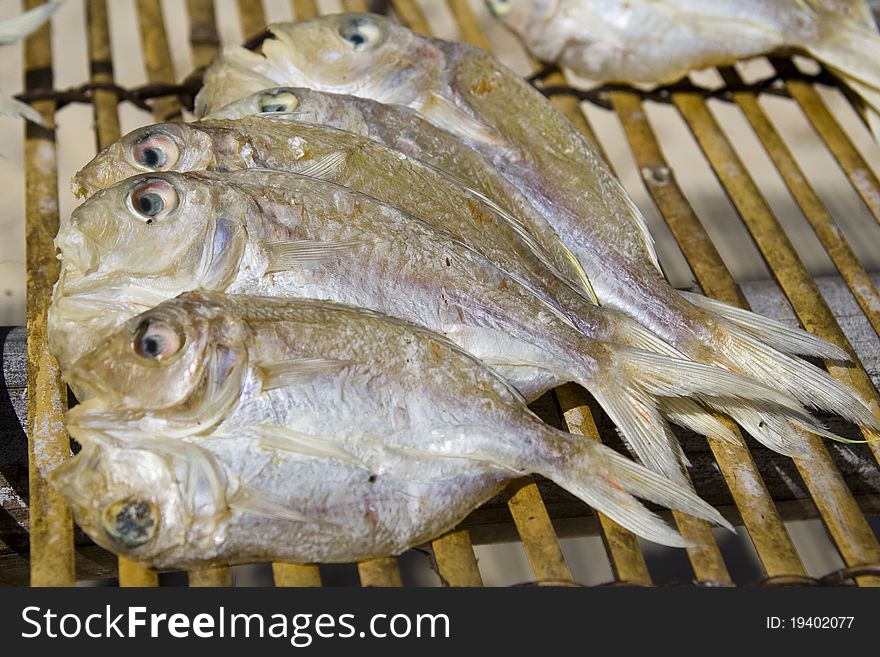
<point x="278" y="101"/>
<point x="155" y="340"/>
<point x="500" y="7"/>
<point x="360" y="33"/>
<point x="156" y="151"/>
<point x="130" y="522"/>
<point x="153" y="200"/>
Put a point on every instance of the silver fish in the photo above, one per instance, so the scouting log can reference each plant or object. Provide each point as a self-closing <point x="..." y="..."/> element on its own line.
<point x="278" y="234"/>
<point x="660" y="41"/>
<point x="467" y="92"/>
<point x="308" y="406"/>
<point x="537" y="258"/>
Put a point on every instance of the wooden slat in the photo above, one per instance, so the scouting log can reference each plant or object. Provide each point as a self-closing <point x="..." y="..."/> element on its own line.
<point x="769" y="536"/>
<point x="536" y="532"/>
<point x="814" y="210"/>
<point x="304" y="10"/>
<point x="253" y="19"/>
<point x="844" y="520"/>
<point x="51" y="525"/>
<point x="456" y="560"/>
<point x="851" y="161"/>
<point x="157" y="57"/>
<point x="208" y="577"/>
<point x="289" y="574"/>
<point x="355" y="5"/>
<point x="203" y="37"/>
<point x="380" y="572"/>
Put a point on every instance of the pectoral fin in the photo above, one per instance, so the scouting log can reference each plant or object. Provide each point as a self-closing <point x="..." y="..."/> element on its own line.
<point x="260" y="503"/>
<point x="294" y="254"/>
<point x="291" y="372"/>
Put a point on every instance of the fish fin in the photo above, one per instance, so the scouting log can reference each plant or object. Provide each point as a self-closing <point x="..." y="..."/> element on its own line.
<point x="16" y="28"/>
<point x="776" y="334"/>
<point x="446" y="115"/>
<point x="324" y="167"/>
<point x="260" y="503"/>
<point x="9" y="106"/>
<point x="287" y="439"/>
<point x="643" y="429"/>
<point x="772" y="430"/>
<point x="295" y="254"/>
<point x="689" y="414"/>
<point x="593" y="472"/>
<point x="610" y="482"/>
<point x="810" y="385"/>
<point x="674" y="377"/>
<point x="291" y="372"/>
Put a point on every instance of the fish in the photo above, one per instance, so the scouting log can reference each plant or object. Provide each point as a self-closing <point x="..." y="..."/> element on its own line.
<point x="277" y="234"/>
<point x="13" y="30"/>
<point x="467" y="92"/>
<point x="400" y="129"/>
<point x="308" y="406"/>
<point x="661" y="41"/>
<point x="538" y="258"/>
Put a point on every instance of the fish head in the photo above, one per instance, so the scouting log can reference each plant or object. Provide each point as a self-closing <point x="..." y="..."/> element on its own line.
<point x="153" y="148"/>
<point x="173" y="228"/>
<point x="152" y="502"/>
<point x="183" y="361"/>
<point x="136" y="244"/>
<point x="278" y="100"/>
<point x="360" y="54"/>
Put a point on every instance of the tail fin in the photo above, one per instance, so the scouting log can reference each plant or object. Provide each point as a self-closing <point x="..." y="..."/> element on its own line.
<point x="610" y="482"/>
<point x="850" y="50"/>
<point x="645" y="384"/>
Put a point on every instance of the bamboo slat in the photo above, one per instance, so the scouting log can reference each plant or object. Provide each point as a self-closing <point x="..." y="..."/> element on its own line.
<point x="355" y="5"/>
<point x="814" y="210"/>
<point x="380" y="572"/>
<point x="51" y="525"/>
<point x="844" y="520"/>
<point x="304" y="10"/>
<point x="456" y="561"/>
<point x="253" y="18"/>
<point x="760" y="516"/>
<point x="851" y="161"/>
<point x="157" y="57"/>
<point x="203" y="37"/>
<point x="536" y="532"/>
<point x="207" y="577"/>
<point x="288" y="574"/>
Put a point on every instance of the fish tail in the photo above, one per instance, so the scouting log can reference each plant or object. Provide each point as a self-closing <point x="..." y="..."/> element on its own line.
<point x="610" y="483"/>
<point x="764" y="349"/>
<point x="851" y="50"/>
<point x="639" y="388"/>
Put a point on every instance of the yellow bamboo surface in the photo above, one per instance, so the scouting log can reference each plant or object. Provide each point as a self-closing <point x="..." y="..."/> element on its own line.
<point x="52" y="550"/>
<point x="51" y="525"/>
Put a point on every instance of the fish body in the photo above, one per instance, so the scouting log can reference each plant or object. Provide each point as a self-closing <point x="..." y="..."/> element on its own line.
<point x="337" y="398"/>
<point x="277" y="234"/>
<point x="402" y="129"/>
<point x="538" y="259"/>
<point x="467" y="92"/>
<point x="651" y="41"/>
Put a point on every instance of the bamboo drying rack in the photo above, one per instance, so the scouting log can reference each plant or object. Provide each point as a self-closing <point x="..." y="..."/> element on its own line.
<point x="52" y="553"/>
